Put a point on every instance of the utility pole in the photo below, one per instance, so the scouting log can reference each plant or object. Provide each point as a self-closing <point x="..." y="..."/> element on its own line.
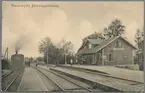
<point x="65" y="55"/>
<point x="65" y="58"/>
<point x="7" y="54"/>
<point x="47" y="55"/>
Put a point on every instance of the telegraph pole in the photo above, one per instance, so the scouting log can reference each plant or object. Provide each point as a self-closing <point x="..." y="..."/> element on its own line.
<point x="7" y="54"/>
<point x="65" y="49"/>
<point x="65" y="58"/>
<point x="65" y="54"/>
<point x="47" y="56"/>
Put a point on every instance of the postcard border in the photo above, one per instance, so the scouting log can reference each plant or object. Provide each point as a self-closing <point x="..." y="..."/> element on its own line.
<point x="62" y="1"/>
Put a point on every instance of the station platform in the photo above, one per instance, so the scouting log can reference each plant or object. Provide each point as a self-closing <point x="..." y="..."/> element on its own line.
<point x="105" y="82"/>
<point x="114" y="71"/>
<point x="31" y="81"/>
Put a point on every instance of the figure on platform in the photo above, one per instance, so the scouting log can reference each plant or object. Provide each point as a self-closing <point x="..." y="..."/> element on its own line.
<point x="36" y="63"/>
<point x="76" y="61"/>
<point x="29" y="63"/>
<point x="71" y="62"/>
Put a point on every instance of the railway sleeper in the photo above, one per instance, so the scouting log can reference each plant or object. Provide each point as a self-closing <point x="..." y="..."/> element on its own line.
<point x="93" y="84"/>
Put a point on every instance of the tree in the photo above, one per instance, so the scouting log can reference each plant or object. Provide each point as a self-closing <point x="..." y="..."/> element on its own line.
<point x="65" y="46"/>
<point x="31" y="59"/>
<point x="39" y="58"/>
<point x="114" y="29"/>
<point x="44" y="44"/>
<point x="95" y="35"/>
<point x="139" y="39"/>
<point x="55" y="53"/>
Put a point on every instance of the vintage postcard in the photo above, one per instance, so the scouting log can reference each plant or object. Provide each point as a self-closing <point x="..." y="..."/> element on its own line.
<point x="69" y="46"/>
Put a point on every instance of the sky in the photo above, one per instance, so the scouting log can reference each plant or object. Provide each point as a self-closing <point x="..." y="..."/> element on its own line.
<point x="71" y="20"/>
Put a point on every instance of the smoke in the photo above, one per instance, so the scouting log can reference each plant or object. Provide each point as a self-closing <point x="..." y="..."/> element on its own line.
<point x="18" y="46"/>
<point x="21" y="42"/>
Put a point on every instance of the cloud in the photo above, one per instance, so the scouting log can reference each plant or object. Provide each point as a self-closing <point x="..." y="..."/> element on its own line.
<point x="55" y="25"/>
<point x="17" y="28"/>
<point x="26" y="25"/>
<point x="131" y="31"/>
<point x="73" y="23"/>
<point x="84" y="28"/>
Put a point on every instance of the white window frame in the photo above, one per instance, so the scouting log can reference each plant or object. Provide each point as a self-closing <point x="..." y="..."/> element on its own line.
<point x="90" y="46"/>
<point x="118" y="49"/>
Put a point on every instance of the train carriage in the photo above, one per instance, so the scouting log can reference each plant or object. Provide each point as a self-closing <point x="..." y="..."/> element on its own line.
<point x="5" y="64"/>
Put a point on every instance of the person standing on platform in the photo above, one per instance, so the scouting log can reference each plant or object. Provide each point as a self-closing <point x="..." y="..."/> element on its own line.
<point x="29" y="63"/>
<point x="36" y="63"/>
<point x="76" y="61"/>
<point x="71" y="62"/>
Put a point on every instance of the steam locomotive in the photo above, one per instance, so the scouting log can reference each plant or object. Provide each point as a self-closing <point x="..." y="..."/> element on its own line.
<point x="17" y="61"/>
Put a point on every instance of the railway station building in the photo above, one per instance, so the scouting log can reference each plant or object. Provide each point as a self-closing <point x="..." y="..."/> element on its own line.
<point x="113" y="51"/>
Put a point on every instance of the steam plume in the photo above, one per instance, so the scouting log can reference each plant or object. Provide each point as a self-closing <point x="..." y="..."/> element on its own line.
<point x="20" y="43"/>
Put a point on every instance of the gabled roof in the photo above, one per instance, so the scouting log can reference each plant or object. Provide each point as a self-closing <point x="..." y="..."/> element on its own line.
<point x="95" y="41"/>
<point x="92" y="41"/>
<point x="101" y="46"/>
<point x="82" y="46"/>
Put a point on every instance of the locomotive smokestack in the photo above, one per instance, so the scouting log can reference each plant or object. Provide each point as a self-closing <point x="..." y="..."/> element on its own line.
<point x="16" y="51"/>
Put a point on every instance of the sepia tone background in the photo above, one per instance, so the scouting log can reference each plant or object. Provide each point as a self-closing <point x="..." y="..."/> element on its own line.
<point x="71" y="20"/>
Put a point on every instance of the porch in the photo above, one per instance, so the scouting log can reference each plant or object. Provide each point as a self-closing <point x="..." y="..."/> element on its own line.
<point x="91" y="59"/>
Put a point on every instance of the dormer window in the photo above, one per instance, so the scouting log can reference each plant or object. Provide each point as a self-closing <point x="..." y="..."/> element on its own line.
<point x="90" y="46"/>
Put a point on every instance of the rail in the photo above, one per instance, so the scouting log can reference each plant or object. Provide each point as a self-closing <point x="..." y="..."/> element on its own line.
<point x="7" y="74"/>
<point x="13" y="80"/>
<point x="107" y="75"/>
<point x="69" y="80"/>
<point x="52" y="80"/>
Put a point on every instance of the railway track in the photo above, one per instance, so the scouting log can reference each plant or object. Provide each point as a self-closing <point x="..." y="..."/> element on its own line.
<point x="9" y="79"/>
<point x="59" y="85"/>
<point x="55" y="84"/>
<point x="6" y="74"/>
<point x="109" y="77"/>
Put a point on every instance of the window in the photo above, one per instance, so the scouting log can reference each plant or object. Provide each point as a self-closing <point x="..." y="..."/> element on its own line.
<point x="133" y="53"/>
<point x="118" y="44"/>
<point x="110" y="57"/>
<point x="125" y="56"/>
<point x="90" y="46"/>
